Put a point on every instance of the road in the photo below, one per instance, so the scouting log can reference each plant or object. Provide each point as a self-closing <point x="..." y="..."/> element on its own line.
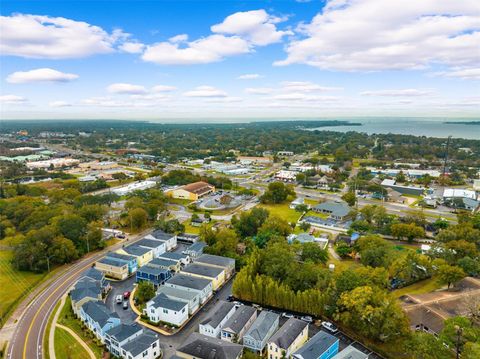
<point x="27" y="340"/>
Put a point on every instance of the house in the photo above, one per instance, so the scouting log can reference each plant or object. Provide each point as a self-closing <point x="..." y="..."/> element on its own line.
<point x="288" y="339"/>
<point x="213" y="325"/>
<point x="297" y="202"/>
<point x="261" y="330"/>
<point x="118" y="336"/>
<point x="199" y="220"/>
<point x="153" y="274"/>
<point x="171" y="265"/>
<point x="157" y="246"/>
<point x="198" y="346"/>
<point x="218" y="261"/>
<point x="324" y="182"/>
<point x="424" y="319"/>
<point x="142" y="254"/>
<point x="350" y="352"/>
<point x="215" y="274"/>
<point x="98" y="318"/>
<point x="131" y="261"/>
<point x="145" y="346"/>
<point x="321" y="346"/>
<point x="308" y="238"/>
<point x="182" y="295"/>
<point x="183" y="259"/>
<point x="238" y="324"/>
<point x="195" y="250"/>
<point x="192" y="284"/>
<point x="85" y="290"/>
<point x="192" y="191"/>
<point x="169" y="238"/>
<point x="96" y="275"/>
<point x="163" y="309"/>
<point x="113" y="268"/>
<point x="188" y="237"/>
<point x="336" y="210"/>
<point x="286" y="176"/>
<point x="411" y="190"/>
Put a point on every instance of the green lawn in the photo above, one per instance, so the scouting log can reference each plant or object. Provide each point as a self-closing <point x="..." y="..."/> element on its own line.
<point x="316" y="214"/>
<point x="15" y="284"/>
<point x="67" y="318"/>
<point x="67" y="347"/>
<point x="283" y="211"/>
<point x="424" y="286"/>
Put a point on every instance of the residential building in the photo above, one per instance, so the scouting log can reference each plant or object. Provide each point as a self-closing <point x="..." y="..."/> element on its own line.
<point x="214" y="324"/>
<point x="195" y="250"/>
<point x="182" y="295"/>
<point x="350" y="352"/>
<point x="131" y="261"/>
<point x="171" y="265"/>
<point x="142" y="254"/>
<point x="183" y="259"/>
<point x="261" y="330"/>
<point x="198" y="346"/>
<point x="285" y="153"/>
<point x="118" y="336"/>
<point x="188" y="237"/>
<point x="308" y="238"/>
<point x="85" y="290"/>
<point x="113" y="268"/>
<point x="157" y="246"/>
<point x="297" y="202"/>
<point x="238" y="324"/>
<point x="163" y="309"/>
<point x="98" y="318"/>
<point x="200" y="220"/>
<point x="169" y="238"/>
<point x="476" y="185"/>
<point x="288" y="339"/>
<point x="153" y="274"/>
<point x="192" y="191"/>
<point x="192" y="284"/>
<point x="321" y="346"/>
<point x="145" y="346"/>
<point x="286" y="176"/>
<point x="96" y="275"/>
<point x="218" y="261"/>
<point x="336" y="210"/>
<point x="411" y="190"/>
<point x="215" y="274"/>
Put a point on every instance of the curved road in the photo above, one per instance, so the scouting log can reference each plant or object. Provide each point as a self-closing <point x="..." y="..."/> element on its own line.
<point x="27" y="340"/>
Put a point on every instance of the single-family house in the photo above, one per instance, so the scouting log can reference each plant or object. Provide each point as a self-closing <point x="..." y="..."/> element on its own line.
<point x="182" y="295"/>
<point x="157" y="246"/>
<point x="215" y="274"/>
<point x="163" y="309"/>
<point x="198" y="346"/>
<point x="145" y="346"/>
<point x="85" y="290"/>
<point x="192" y="191"/>
<point x="218" y="261"/>
<point x="142" y="254"/>
<point x="153" y="274"/>
<point x="192" y="284"/>
<point x="321" y="346"/>
<point x="171" y="265"/>
<point x="200" y="220"/>
<point x="261" y="330"/>
<point x="336" y="210"/>
<point x="183" y="259"/>
<point x="350" y="352"/>
<point x="297" y="202"/>
<point x="98" y="318"/>
<point x="214" y="324"/>
<point x="288" y="339"/>
<point x="118" y="336"/>
<point x="195" y="250"/>
<point x="238" y="324"/>
<point x="169" y="238"/>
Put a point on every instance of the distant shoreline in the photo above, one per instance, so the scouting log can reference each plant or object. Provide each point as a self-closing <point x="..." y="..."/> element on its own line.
<point x="472" y="123"/>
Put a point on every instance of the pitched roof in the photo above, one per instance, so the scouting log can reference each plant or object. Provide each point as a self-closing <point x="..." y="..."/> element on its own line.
<point x="238" y="320"/>
<point x="196" y="247"/>
<point x="86" y="288"/>
<point x="350" y="353"/>
<point x="162" y="262"/>
<point x="99" y="312"/>
<point x="188" y="281"/>
<point x="339" y="209"/>
<point x="150" y="243"/>
<point x="162" y="301"/>
<point x="198" y="187"/>
<point x="120" y="256"/>
<point x="177" y="293"/>
<point x="135" y="250"/>
<point x="141" y="343"/>
<point x="93" y="274"/>
<point x="202" y="346"/>
<point x="262" y="325"/>
<point x="421" y="315"/>
<point x="173" y="256"/>
<point x="161" y="235"/>
<point x="203" y="270"/>
<point x="316" y="346"/>
<point x="285" y="336"/>
<point x="219" y="314"/>
<point x="149" y="269"/>
<point x="114" y="262"/>
<point x="124" y="331"/>
<point x="215" y="260"/>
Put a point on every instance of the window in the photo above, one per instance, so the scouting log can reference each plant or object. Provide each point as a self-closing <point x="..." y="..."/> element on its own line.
<point x="154" y="345"/>
<point x="183" y="310"/>
<point x="165" y="311"/>
<point x="145" y="353"/>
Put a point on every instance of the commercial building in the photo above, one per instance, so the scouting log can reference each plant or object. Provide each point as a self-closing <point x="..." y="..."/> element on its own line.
<point x="192" y="191"/>
<point x="286" y="176"/>
<point x="336" y="210"/>
<point x="411" y="190"/>
<point x="132" y="187"/>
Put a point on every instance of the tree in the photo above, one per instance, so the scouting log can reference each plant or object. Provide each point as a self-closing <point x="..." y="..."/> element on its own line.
<point x="425" y="346"/>
<point x="343" y="249"/>
<point x="302" y="208"/>
<point x="73" y="227"/>
<point x="449" y="275"/>
<point x="409" y="231"/>
<point x="313" y="253"/>
<point x="350" y="198"/>
<point x="277" y="192"/>
<point x="145" y="291"/>
<point x="249" y="222"/>
<point x="137" y="218"/>
<point x="276" y="259"/>
<point x="170" y="226"/>
<point x="62" y="250"/>
<point x="459" y="331"/>
<point x="305" y="226"/>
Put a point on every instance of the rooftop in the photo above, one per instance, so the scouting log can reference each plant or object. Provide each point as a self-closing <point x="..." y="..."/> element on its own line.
<point x="120" y="256"/>
<point x="159" y="234"/>
<point x="141" y="343"/>
<point x="219" y="314"/>
<point x="162" y="301"/>
<point x="173" y="256"/>
<point x="148" y="269"/>
<point x="203" y="270"/>
<point x="238" y="320"/>
<point x="339" y="209"/>
<point x="202" y="346"/>
<point x="99" y="312"/>
<point x="198" y="187"/>
<point x="187" y="281"/>
<point x="150" y="243"/>
<point x="316" y="346"/>
<point x="124" y="331"/>
<point x="178" y="293"/>
<point x="216" y="260"/>
<point x="350" y="353"/>
<point x="136" y="250"/>
<point x="262" y="325"/>
<point x="285" y="336"/>
<point x="162" y="262"/>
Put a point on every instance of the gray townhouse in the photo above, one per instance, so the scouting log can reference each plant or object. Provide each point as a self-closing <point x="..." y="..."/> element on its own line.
<point x="238" y="324"/>
<point x="261" y="330"/>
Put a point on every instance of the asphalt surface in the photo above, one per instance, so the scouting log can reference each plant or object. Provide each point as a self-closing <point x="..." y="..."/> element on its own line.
<point x="27" y="340"/>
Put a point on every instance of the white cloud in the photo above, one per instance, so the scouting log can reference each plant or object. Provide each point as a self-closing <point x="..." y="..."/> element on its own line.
<point x="397" y="93"/>
<point x="132" y="47"/>
<point x="371" y="35"/>
<point x="59" y="104"/>
<point x="163" y="88"/>
<point x="12" y="99"/>
<point x="35" y="36"/>
<point x="126" y="89"/>
<point x="259" y="90"/>
<point x="298" y="96"/>
<point x="40" y="75"/>
<point x="249" y="77"/>
<point x="205" y="91"/>
<point x="304" y="86"/>
<point x="465" y="74"/>
<point x="178" y="38"/>
<point x="228" y="99"/>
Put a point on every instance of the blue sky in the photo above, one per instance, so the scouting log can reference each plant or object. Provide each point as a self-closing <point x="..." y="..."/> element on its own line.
<point x="239" y="59"/>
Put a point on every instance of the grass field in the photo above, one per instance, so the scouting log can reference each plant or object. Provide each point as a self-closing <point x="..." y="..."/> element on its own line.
<point x="283" y="211"/>
<point x="67" y="347"/>
<point x="424" y="286"/>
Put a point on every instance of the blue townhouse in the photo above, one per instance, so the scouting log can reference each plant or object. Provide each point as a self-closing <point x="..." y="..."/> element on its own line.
<point x="98" y="318"/>
<point x="130" y="261"/>
<point x="153" y="274"/>
<point x="321" y="346"/>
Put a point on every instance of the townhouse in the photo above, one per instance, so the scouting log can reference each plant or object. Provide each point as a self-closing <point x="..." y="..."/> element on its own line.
<point x="238" y="324"/>
<point x="214" y="324"/>
<point x="163" y="309"/>
<point x="215" y="274"/>
<point x="191" y="298"/>
<point x="192" y="284"/>
<point x="288" y="339"/>
<point x="195" y="250"/>
<point x="183" y="259"/>
<point x="321" y="346"/>
<point x="162" y="263"/>
<point x="218" y="261"/>
<point x="85" y="290"/>
<point x="261" y="330"/>
<point x="142" y="254"/>
<point x="113" y="268"/>
<point x="201" y="346"/>
<point x="157" y="246"/>
<point x="153" y="274"/>
<point x="169" y="238"/>
<point x="98" y="318"/>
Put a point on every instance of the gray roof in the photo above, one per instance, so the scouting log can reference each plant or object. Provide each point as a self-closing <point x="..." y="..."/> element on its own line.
<point x="173" y="256"/>
<point x="124" y="331"/>
<point x="262" y="325"/>
<point x="316" y="346"/>
<point x="196" y="247"/>
<point x="149" y="243"/>
<point x="135" y="250"/>
<point x="99" y="312"/>
<point x="162" y="301"/>
<point x="114" y="262"/>
<point x="215" y="260"/>
<point x="177" y="293"/>
<point x="238" y="320"/>
<point x="159" y="234"/>
<point x="120" y="256"/>
<point x="339" y="209"/>
<point x="203" y="270"/>
<point x="285" y="336"/>
<point x="86" y="288"/>
<point x="93" y="274"/>
<point x="141" y="343"/>
<point x="219" y="314"/>
<point x="205" y="347"/>
<point x="350" y="353"/>
<point x="188" y="281"/>
<point x="151" y="270"/>
<point x="162" y="262"/>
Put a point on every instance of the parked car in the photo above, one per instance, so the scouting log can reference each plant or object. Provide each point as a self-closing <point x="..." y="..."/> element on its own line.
<point x="330" y="327"/>
<point x="287" y="315"/>
<point x="256" y="306"/>
<point x="307" y="318"/>
<point x="126" y="294"/>
<point x="125" y="305"/>
<point x="118" y="299"/>
<point x="237" y="304"/>
<point x="230" y="298"/>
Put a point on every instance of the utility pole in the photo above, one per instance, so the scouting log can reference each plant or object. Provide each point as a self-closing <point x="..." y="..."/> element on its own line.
<point x="446" y="156"/>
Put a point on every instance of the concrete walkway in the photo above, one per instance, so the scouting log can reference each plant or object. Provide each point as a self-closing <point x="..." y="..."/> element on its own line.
<point x="79" y="340"/>
<point x="51" y="334"/>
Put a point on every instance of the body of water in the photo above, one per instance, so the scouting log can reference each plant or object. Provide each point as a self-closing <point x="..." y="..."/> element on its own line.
<point x="401" y="126"/>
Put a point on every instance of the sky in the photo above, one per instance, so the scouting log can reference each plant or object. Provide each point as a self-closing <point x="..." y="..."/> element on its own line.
<point x="228" y="59"/>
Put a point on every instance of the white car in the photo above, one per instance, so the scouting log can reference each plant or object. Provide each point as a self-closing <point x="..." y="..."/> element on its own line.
<point x="330" y="327"/>
<point x="287" y="315"/>
<point x="119" y="299"/>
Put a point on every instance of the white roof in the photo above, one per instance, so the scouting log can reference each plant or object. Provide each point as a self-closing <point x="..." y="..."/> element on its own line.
<point x="388" y="182"/>
<point x="459" y="193"/>
<point x="286" y="174"/>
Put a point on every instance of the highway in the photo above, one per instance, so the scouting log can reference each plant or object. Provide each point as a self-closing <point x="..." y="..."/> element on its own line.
<point x="27" y="340"/>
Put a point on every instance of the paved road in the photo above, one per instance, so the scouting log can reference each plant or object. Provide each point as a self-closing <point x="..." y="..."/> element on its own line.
<point x="27" y="341"/>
